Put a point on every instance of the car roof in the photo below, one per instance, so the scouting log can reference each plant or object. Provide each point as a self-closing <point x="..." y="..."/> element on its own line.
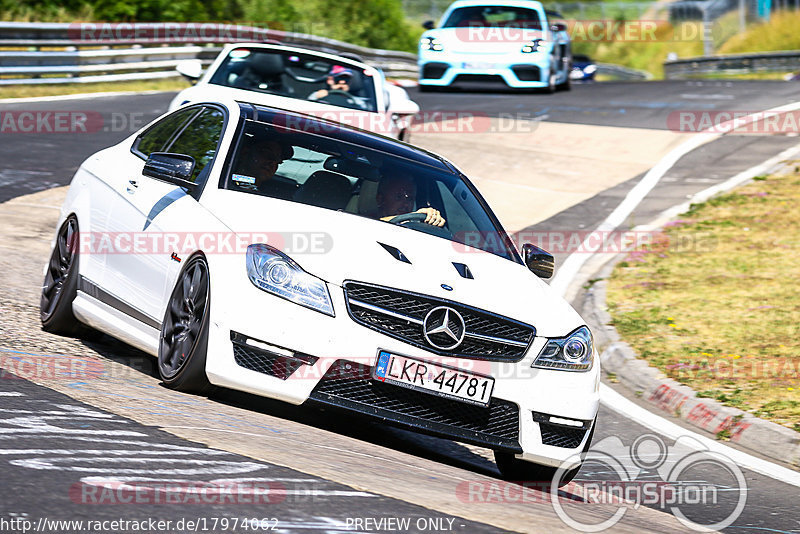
<point x="316" y="125"/>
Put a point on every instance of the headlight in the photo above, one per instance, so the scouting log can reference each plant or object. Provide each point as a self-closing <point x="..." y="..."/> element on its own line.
<point x="533" y="46"/>
<point x="431" y="43"/>
<point x="276" y="273"/>
<point x="572" y="353"/>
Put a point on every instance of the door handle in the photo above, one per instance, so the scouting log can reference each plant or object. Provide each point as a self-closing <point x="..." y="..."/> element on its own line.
<point x="132" y="186"/>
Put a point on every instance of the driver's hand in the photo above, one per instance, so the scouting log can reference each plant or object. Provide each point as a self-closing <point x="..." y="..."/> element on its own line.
<point x="433" y="217"/>
<point x="316" y="95"/>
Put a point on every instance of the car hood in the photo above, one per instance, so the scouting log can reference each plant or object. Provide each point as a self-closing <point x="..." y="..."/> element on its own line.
<point x="366" y="120"/>
<point x="482" y="41"/>
<point x="337" y="246"/>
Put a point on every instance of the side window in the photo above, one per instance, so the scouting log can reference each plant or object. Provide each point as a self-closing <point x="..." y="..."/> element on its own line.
<point x="158" y="135"/>
<point x="199" y="139"/>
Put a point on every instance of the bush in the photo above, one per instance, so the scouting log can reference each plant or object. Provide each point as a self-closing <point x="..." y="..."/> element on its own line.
<point x="375" y="24"/>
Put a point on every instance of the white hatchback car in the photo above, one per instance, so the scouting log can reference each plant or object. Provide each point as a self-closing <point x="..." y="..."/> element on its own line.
<point x="294" y="78"/>
<point x="287" y="256"/>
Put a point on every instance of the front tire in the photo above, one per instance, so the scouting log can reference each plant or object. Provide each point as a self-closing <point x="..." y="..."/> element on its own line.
<point x="567" y="84"/>
<point x="551" y="83"/>
<point x="61" y="284"/>
<point x="184" y="331"/>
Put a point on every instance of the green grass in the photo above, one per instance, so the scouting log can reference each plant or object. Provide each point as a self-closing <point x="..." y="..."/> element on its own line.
<point x="647" y="54"/>
<point x="713" y="302"/>
<point x="685" y="40"/>
<point x="780" y="33"/>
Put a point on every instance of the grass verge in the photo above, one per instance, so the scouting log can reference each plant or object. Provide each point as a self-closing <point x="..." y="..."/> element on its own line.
<point x="26" y="91"/>
<point x="713" y="302"/>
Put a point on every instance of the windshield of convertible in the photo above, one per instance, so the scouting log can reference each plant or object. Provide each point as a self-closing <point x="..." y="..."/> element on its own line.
<point x="275" y="161"/>
<point x="493" y="17"/>
<point x="301" y="76"/>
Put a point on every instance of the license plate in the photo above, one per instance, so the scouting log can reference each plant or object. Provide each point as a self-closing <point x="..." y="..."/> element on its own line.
<point x="478" y="65"/>
<point x="433" y="378"/>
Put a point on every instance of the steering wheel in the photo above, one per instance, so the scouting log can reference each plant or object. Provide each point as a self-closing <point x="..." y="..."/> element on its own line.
<point x="409" y="217"/>
<point x="338" y="95"/>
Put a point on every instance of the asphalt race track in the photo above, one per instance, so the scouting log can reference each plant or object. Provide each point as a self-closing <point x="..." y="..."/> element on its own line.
<point x="62" y="445"/>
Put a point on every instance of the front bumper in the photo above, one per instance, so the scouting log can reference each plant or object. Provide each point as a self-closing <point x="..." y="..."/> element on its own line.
<point x="518" y="71"/>
<point x="294" y="354"/>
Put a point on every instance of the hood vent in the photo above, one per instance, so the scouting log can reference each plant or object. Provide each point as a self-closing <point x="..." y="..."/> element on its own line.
<point x="396" y="253"/>
<point x="463" y="270"/>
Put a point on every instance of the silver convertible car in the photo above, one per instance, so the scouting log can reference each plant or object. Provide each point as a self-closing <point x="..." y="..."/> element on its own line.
<point x="299" y="259"/>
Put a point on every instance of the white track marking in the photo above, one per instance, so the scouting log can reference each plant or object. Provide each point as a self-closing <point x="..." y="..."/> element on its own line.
<point x="574" y="262"/>
<point x="634" y="412"/>
<point x="727" y="185"/>
<point x="11" y="394"/>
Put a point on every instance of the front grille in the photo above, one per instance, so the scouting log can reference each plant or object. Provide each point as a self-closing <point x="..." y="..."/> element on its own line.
<point x="493" y="78"/>
<point x="350" y="386"/>
<point x="561" y="436"/>
<point x="527" y="73"/>
<point x="400" y="314"/>
<point x="264" y="361"/>
<point x="434" y="71"/>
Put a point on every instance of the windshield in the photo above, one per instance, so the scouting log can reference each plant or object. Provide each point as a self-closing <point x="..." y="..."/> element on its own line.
<point x="311" y="169"/>
<point x="493" y="17"/>
<point x="301" y="76"/>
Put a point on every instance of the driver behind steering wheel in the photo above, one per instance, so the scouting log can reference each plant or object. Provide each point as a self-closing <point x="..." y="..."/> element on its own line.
<point x="397" y="195"/>
<point x="338" y="80"/>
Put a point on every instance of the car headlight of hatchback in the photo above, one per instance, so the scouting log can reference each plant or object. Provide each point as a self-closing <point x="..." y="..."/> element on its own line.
<point x="275" y="272"/>
<point x="574" y="352"/>
<point x="431" y="43"/>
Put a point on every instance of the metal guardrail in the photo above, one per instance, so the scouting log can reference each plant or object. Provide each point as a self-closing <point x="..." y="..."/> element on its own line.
<point x="622" y="73"/>
<point x="785" y="61"/>
<point x="88" y="52"/>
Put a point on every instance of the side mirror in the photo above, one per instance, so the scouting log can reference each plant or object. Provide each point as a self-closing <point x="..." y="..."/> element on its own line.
<point x="428" y="25"/>
<point x="558" y="27"/>
<point x="191" y="69"/>
<point x="539" y="261"/>
<point x="171" y="168"/>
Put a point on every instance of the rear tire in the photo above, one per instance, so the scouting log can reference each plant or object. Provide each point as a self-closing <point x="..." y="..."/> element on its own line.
<point x="60" y="284"/>
<point x="184" y="332"/>
<point x="519" y="470"/>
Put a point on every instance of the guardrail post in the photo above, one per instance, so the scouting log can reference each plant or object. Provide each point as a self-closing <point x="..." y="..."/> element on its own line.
<point x="708" y="45"/>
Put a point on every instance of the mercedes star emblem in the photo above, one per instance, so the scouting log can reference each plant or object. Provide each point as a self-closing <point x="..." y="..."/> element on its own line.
<point x="444" y="328"/>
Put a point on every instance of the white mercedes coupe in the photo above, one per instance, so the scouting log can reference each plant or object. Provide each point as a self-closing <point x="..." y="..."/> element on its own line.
<point x="299" y="259"/>
<point x="292" y="78"/>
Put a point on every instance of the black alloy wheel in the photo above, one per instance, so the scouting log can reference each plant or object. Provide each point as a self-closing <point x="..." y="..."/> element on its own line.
<point x="184" y="331"/>
<point x="61" y="283"/>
